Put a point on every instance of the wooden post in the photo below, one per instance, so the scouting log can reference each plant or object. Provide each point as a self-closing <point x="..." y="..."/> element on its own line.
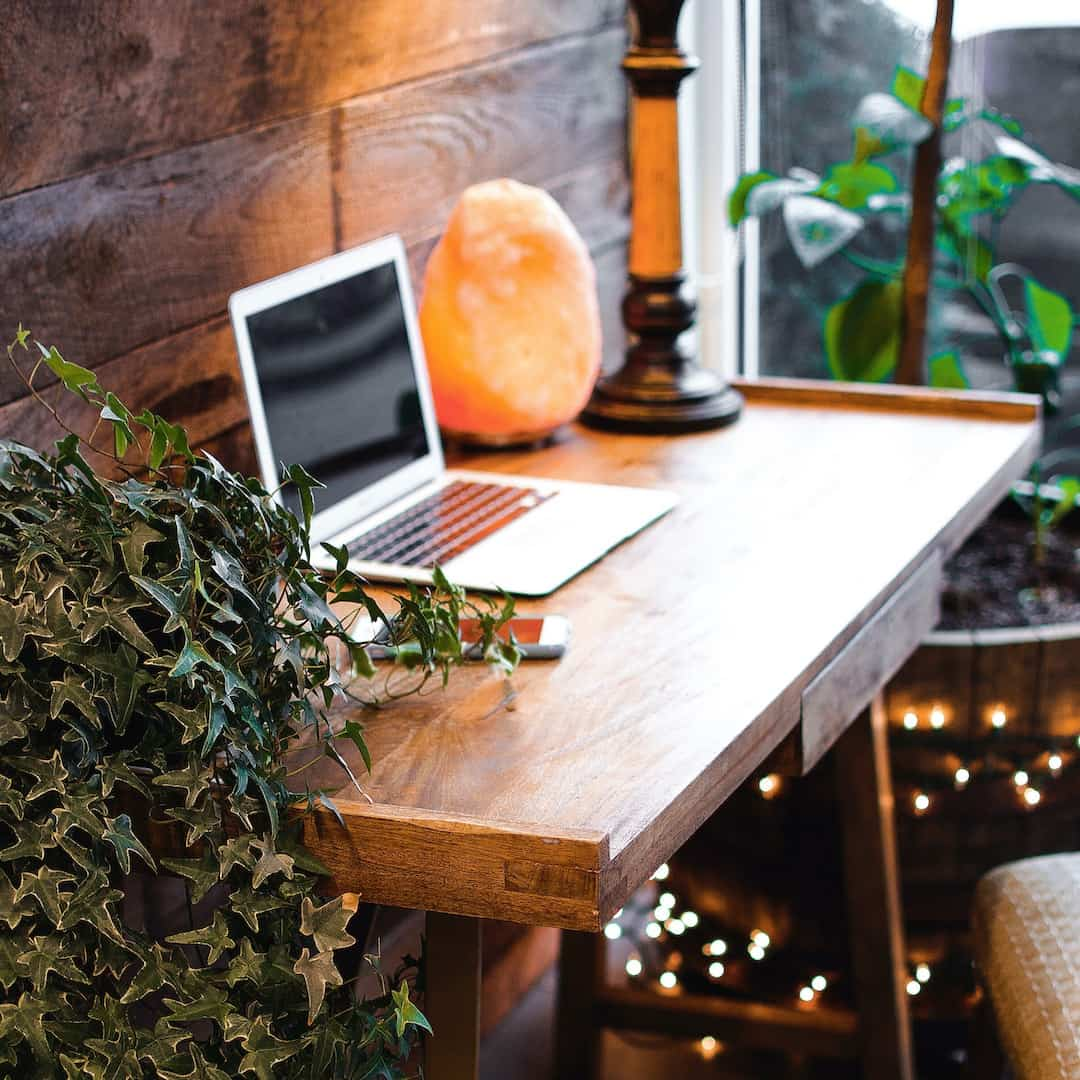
<point x="919" y="266"/>
<point x="661" y="387"/>
<point x="577" y="1031"/>
<point x="872" y="886"/>
<point x="452" y="997"/>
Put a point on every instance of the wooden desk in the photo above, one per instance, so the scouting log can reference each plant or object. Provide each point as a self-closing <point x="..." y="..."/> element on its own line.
<point x="798" y="572"/>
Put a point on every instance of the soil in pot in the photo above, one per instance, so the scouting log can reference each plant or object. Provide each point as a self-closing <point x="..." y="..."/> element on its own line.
<point x="992" y="581"/>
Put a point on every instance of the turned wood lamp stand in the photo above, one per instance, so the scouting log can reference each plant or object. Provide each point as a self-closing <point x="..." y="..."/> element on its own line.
<point x="661" y="387"/>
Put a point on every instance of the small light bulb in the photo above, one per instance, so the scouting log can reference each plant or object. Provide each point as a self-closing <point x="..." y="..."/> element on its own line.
<point x="709" y="1047"/>
<point x="756" y="952"/>
<point x="937" y="717"/>
<point x="998" y="718"/>
<point x="717" y="947"/>
<point x="618" y="914"/>
<point x="716" y="970"/>
<point x="759" y="937"/>
<point x="667" y="900"/>
<point x="662" y="913"/>
<point x="911" y="720"/>
<point x="653" y="930"/>
<point x="921" y="802"/>
<point x="961" y="776"/>
<point x="675" y="926"/>
<point x="662" y="872"/>
<point x="806" y="994"/>
<point x="613" y="931"/>
<point x="633" y="967"/>
<point x="913" y="987"/>
<point x="1054" y="763"/>
<point x="669" y="980"/>
<point x="690" y="919"/>
<point x="1020" y="778"/>
<point x="708" y="1043"/>
<point x="818" y="983"/>
<point x="1031" y="796"/>
<point x="922" y="973"/>
<point x="767" y="784"/>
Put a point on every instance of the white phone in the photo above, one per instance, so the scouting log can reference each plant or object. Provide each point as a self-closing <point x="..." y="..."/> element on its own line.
<point x="538" y="637"/>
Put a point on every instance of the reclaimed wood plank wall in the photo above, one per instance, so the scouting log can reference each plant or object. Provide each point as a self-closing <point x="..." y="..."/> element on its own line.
<point x="155" y="155"/>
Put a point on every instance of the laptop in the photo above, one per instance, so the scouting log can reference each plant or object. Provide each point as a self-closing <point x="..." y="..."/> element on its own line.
<point x="334" y="371"/>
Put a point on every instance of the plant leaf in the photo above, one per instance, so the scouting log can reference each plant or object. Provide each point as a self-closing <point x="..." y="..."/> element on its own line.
<point x="862" y="333"/>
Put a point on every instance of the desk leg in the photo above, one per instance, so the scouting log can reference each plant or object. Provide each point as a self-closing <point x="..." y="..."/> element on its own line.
<point x="872" y="883"/>
<point x="452" y="997"/>
<point x="577" y="1034"/>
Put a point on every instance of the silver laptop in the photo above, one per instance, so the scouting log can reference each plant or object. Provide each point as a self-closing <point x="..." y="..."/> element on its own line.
<point x="334" y="371"/>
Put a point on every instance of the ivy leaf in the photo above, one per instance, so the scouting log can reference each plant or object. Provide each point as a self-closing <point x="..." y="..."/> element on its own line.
<point x="12" y="910"/>
<point x="249" y="905"/>
<point x="354" y="732"/>
<point x="247" y="965"/>
<point x="215" y="937"/>
<point x="32" y="840"/>
<point x="200" y="1068"/>
<point x="90" y="904"/>
<point x="236" y="851"/>
<point x="81" y="809"/>
<point x="202" y="873"/>
<point x="155" y="973"/>
<point x="44" y="887"/>
<point x="133" y="546"/>
<point x="405" y="1012"/>
<point x="192" y="721"/>
<point x="326" y="924"/>
<point x="77" y="379"/>
<point x="270" y="862"/>
<point x="265" y="1050"/>
<point x="72" y="690"/>
<point x="23" y="1020"/>
<point x="204" y="820"/>
<point x="49" y="772"/>
<point x="211" y="1004"/>
<point x="168" y="600"/>
<point x="49" y="953"/>
<point x="318" y="972"/>
<point x="193" y="780"/>
<point x="119" y="833"/>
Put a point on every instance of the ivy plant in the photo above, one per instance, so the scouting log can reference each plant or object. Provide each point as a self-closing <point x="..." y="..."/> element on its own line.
<point x="164" y="639"/>
<point x="825" y="215"/>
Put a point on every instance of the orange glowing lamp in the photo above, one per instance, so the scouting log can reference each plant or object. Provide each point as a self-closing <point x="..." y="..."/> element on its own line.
<point x="509" y="317"/>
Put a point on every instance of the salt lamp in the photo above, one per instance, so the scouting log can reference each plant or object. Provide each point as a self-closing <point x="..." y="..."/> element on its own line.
<point x="509" y="317"/>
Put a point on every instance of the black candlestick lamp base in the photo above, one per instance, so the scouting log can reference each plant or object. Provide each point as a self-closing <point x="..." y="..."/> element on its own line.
<point x="661" y="388"/>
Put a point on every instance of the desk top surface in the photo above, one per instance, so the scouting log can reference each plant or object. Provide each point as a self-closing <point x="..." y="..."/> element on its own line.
<point x="692" y="644"/>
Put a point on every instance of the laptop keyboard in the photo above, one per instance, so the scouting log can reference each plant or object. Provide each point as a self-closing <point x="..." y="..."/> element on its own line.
<point x="445" y="524"/>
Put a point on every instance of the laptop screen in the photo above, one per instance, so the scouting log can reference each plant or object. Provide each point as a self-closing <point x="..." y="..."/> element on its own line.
<point x="337" y="384"/>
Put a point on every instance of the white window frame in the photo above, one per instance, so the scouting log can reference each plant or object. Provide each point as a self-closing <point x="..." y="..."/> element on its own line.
<point x="719" y="139"/>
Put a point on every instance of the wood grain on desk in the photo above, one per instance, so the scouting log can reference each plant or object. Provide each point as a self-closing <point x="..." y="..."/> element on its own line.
<point x="692" y="646"/>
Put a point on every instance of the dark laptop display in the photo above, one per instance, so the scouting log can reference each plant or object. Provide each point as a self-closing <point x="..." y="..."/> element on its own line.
<point x="337" y="382"/>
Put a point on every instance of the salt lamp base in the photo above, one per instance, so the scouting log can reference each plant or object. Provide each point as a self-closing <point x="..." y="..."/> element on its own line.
<point x="696" y="400"/>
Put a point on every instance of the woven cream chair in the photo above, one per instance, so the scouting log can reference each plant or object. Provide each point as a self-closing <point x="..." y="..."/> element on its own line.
<point x="1027" y="949"/>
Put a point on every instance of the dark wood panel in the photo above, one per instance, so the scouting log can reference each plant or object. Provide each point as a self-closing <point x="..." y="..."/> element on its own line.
<point x="407" y="154"/>
<point x="136" y="77"/>
<point x="105" y="263"/>
<point x="193" y="378"/>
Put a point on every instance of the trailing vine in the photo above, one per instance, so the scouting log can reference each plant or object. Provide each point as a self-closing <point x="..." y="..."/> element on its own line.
<point x="164" y="638"/>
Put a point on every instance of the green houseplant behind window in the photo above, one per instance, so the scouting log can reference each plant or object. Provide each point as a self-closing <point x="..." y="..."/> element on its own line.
<point x="827" y="216"/>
